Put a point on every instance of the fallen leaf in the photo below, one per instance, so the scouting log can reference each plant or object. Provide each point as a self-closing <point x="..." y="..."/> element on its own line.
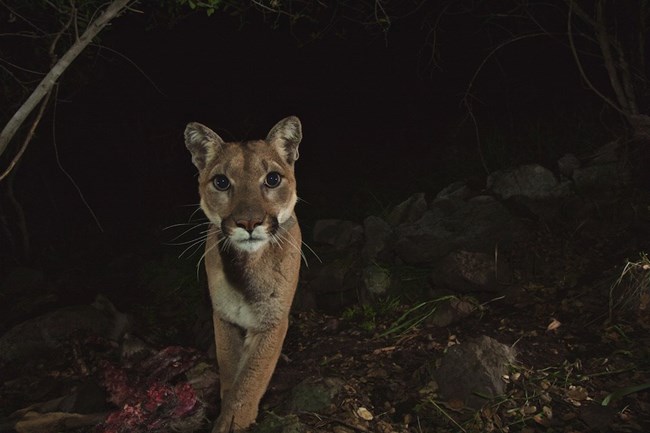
<point x="553" y="325"/>
<point x="547" y="411"/>
<point x="455" y="404"/>
<point x="576" y="394"/>
<point x="528" y="410"/>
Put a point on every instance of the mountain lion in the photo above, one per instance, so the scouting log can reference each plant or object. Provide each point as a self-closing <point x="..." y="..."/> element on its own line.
<point x="252" y="256"/>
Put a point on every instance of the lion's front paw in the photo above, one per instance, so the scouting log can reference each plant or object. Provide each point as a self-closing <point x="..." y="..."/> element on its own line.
<point x="223" y="425"/>
<point x="233" y="423"/>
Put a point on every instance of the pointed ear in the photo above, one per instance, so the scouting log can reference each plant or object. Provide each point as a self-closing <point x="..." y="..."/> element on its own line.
<point x="202" y="142"/>
<point x="285" y="137"/>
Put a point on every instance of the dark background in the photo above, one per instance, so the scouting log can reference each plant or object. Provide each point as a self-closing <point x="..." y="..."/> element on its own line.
<point x="381" y="120"/>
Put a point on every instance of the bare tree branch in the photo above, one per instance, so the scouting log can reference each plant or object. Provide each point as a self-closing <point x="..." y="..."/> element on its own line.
<point x="610" y="63"/>
<point x="27" y="139"/>
<point x="574" y="51"/>
<point x="45" y="86"/>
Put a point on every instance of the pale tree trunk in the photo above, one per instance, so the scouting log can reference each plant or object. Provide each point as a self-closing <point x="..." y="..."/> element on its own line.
<point x="46" y="85"/>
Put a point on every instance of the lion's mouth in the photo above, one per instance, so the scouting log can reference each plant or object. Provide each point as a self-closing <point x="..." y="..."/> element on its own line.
<point x="253" y="239"/>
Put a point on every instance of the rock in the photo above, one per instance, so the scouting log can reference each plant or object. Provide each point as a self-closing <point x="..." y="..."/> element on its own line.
<point x="477" y="224"/>
<point x="567" y="164"/>
<point x="408" y="211"/>
<point x="531" y="187"/>
<point x="314" y="394"/>
<point x="272" y="423"/>
<point x="451" y="310"/>
<point x="334" y="285"/>
<point x="377" y="233"/>
<point x="41" y="335"/>
<point x="531" y="181"/>
<point x="455" y="191"/>
<point x="329" y="277"/>
<point x="473" y="369"/>
<point x="424" y="241"/>
<point x="376" y="279"/>
<point x="338" y="233"/>
<point x="466" y="271"/>
<point x="601" y="178"/>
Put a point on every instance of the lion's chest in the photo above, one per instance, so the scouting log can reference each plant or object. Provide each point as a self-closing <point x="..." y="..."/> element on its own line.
<point x="255" y="306"/>
<point x="231" y="305"/>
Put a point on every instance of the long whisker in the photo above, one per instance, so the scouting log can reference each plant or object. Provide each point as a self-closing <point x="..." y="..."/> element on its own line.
<point x="312" y="251"/>
<point x="197" y="247"/>
<point x="194" y="243"/>
<point x="195" y="212"/>
<point x="225" y="242"/>
<point x="191" y="205"/>
<point x="173" y="226"/>
<point x="186" y="231"/>
<point x="201" y="233"/>
<point x="207" y="250"/>
<point x="293" y="245"/>
<point x="190" y="223"/>
<point x="307" y="246"/>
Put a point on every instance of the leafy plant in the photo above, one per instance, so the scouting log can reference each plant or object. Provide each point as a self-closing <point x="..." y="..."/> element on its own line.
<point x="415" y="315"/>
<point x="210" y="6"/>
<point x="623" y="392"/>
<point x="368" y="315"/>
<point x="632" y="287"/>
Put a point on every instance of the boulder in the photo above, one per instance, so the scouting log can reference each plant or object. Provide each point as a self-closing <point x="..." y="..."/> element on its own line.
<point x="451" y="310"/>
<point x="567" y="164"/>
<point x="468" y="271"/>
<point x="273" y="423"/>
<point x="408" y="211"/>
<point x="314" y="394"/>
<point x="338" y="233"/>
<point x="532" y="188"/>
<point x="601" y="178"/>
<point x="377" y="234"/>
<point x="334" y="285"/>
<point x="455" y="191"/>
<point x="43" y="334"/>
<point x="376" y="279"/>
<point x="474" y="369"/>
<point x="476" y="224"/>
<point x="531" y="181"/>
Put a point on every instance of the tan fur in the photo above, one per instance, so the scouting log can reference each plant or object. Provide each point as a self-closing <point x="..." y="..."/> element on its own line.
<point x="252" y="258"/>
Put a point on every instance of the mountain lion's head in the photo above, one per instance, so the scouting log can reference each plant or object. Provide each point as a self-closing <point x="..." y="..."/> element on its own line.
<point x="248" y="188"/>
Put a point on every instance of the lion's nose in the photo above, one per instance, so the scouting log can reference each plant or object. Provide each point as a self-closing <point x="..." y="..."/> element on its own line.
<point x="248" y="224"/>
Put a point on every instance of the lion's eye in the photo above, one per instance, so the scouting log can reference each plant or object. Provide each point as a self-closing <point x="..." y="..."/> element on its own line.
<point x="221" y="182"/>
<point x="273" y="179"/>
